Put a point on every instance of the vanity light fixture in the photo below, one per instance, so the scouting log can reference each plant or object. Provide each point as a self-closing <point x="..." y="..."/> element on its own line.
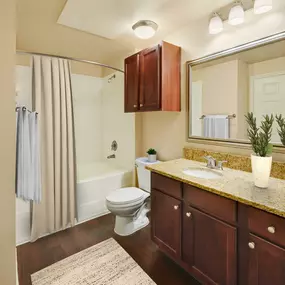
<point x="236" y="16"/>
<point x="216" y="24"/>
<point x="262" y="6"/>
<point x="145" y="29"/>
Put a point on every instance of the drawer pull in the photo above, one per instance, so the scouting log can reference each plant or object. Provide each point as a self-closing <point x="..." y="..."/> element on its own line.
<point x="176" y="207"/>
<point x="251" y="245"/>
<point x="271" y="230"/>
<point x="135" y="106"/>
<point x="141" y="105"/>
<point x="188" y="215"/>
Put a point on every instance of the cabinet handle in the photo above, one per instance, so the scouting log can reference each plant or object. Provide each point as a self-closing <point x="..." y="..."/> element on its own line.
<point x="176" y="207"/>
<point x="271" y="230"/>
<point x="135" y="106"/>
<point x="141" y="105"/>
<point x="188" y="215"/>
<point x="251" y="245"/>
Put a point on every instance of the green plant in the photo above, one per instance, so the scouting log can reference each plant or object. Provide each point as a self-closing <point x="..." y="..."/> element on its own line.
<point x="151" y="151"/>
<point x="281" y="131"/>
<point x="260" y="137"/>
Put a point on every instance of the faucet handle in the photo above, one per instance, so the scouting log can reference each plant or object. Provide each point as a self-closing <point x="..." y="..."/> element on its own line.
<point x="208" y="157"/>
<point x="211" y="162"/>
<point x="220" y="164"/>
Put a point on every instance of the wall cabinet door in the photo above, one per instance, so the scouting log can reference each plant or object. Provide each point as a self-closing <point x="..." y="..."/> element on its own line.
<point x="266" y="263"/>
<point x="150" y="82"/>
<point x="209" y="248"/>
<point x="132" y="83"/>
<point x="166" y="222"/>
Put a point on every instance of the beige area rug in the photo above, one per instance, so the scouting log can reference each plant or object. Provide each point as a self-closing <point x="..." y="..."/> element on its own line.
<point x="105" y="263"/>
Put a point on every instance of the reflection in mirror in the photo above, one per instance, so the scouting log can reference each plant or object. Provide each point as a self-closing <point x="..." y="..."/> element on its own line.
<point x="222" y="91"/>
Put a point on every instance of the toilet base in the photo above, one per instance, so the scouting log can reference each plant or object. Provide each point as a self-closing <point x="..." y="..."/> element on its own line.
<point x="125" y="226"/>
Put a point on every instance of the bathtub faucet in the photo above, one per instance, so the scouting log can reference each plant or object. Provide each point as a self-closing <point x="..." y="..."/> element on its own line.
<point x="111" y="156"/>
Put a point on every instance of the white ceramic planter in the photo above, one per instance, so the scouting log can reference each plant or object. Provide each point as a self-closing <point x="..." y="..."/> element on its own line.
<point x="151" y="157"/>
<point x="261" y="169"/>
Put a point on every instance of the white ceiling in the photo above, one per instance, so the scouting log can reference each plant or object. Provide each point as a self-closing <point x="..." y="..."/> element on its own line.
<point x="113" y="19"/>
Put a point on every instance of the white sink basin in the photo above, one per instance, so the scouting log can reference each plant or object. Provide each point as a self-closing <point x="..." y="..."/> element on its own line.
<point x="202" y="173"/>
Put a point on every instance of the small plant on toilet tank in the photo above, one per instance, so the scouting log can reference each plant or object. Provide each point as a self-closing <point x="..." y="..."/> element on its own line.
<point x="260" y="137"/>
<point x="151" y="155"/>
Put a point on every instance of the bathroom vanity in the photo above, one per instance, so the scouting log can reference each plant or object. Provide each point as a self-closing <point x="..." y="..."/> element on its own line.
<point x="222" y="231"/>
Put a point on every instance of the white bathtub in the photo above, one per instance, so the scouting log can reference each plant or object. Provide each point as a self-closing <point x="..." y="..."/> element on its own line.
<point x="94" y="182"/>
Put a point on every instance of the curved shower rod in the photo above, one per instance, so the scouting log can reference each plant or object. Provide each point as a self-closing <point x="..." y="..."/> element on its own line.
<point x="70" y="58"/>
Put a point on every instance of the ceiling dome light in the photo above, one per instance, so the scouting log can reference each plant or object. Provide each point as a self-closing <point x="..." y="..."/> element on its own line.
<point x="145" y="29"/>
<point x="216" y="25"/>
<point x="236" y="16"/>
<point x="262" y="6"/>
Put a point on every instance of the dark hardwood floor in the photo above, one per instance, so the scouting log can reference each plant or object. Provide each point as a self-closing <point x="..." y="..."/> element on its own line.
<point x="33" y="257"/>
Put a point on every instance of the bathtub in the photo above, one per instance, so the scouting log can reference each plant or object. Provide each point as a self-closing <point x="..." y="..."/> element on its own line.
<point x="94" y="182"/>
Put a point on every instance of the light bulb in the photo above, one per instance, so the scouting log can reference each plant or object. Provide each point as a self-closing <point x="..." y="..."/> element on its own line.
<point x="145" y="29"/>
<point x="216" y="25"/>
<point x="236" y="16"/>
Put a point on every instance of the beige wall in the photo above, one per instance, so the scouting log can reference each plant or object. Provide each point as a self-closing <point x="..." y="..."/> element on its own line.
<point x="266" y="67"/>
<point x="243" y="99"/>
<point x="220" y="90"/>
<point x="7" y="150"/>
<point x="167" y="132"/>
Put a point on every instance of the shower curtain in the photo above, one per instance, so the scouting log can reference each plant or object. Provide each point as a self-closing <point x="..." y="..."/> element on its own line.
<point x="52" y="99"/>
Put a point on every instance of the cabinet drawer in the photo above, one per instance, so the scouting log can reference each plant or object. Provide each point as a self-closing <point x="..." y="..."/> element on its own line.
<point x="212" y="204"/>
<point x="166" y="185"/>
<point x="267" y="225"/>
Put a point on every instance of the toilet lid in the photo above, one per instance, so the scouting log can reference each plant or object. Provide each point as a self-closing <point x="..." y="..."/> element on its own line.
<point x="125" y="196"/>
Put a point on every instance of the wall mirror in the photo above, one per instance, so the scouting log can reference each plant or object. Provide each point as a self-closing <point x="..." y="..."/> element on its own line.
<point x="223" y="87"/>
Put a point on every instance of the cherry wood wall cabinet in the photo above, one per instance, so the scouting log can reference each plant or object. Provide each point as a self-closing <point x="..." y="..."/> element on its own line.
<point x="152" y="79"/>
<point x="217" y="240"/>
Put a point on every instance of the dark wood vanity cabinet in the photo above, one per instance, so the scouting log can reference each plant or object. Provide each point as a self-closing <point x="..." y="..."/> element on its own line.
<point x="217" y="240"/>
<point x="152" y="79"/>
<point x="166" y="231"/>
<point x="209" y="247"/>
<point x="266" y="262"/>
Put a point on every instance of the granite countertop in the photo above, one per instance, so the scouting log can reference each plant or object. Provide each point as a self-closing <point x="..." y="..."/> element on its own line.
<point x="233" y="184"/>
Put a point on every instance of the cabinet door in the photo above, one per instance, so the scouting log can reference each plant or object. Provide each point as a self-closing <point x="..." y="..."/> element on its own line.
<point x="132" y="83"/>
<point x="266" y="263"/>
<point x="150" y="82"/>
<point x="209" y="248"/>
<point x="166" y="222"/>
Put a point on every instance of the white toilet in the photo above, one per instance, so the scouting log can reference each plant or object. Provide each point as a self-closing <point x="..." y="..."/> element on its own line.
<point x="131" y="204"/>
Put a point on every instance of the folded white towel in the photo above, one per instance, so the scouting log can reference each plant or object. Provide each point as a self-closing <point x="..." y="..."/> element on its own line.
<point x="216" y="126"/>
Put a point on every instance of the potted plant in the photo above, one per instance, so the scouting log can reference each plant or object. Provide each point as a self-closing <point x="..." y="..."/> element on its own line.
<point x="261" y="160"/>
<point x="151" y="155"/>
<point x="281" y="131"/>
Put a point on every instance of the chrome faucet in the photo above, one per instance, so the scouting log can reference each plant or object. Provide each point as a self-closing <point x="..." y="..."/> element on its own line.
<point x="111" y="156"/>
<point x="213" y="164"/>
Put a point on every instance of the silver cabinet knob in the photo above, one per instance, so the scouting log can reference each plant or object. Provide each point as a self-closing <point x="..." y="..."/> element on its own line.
<point x="251" y="245"/>
<point x="188" y="215"/>
<point x="271" y="230"/>
<point x="176" y="207"/>
<point x="135" y="106"/>
<point x="141" y="105"/>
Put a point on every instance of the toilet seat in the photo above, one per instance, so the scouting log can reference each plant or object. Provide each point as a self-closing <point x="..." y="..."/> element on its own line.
<point x="126" y="197"/>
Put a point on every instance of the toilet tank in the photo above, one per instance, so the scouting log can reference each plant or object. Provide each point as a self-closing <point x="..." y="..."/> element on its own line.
<point x="143" y="173"/>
